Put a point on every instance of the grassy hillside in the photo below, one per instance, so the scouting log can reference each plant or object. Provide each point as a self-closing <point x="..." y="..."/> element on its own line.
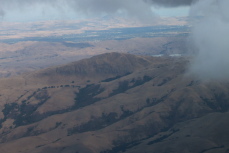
<point x="114" y="102"/>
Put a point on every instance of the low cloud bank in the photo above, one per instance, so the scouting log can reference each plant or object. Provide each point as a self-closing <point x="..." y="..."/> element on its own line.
<point x="210" y="35"/>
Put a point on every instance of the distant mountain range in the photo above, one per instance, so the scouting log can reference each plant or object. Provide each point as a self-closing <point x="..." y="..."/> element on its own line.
<point x="113" y="103"/>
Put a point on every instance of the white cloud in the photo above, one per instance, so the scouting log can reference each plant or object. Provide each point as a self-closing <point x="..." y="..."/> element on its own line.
<point x="211" y="36"/>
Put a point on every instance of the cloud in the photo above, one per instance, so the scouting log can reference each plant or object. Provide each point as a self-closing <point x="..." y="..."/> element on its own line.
<point x="210" y="36"/>
<point x="131" y="8"/>
<point x="135" y="8"/>
<point x="2" y="13"/>
<point x="171" y="3"/>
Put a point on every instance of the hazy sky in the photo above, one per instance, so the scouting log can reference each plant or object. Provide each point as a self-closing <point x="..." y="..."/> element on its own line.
<point x="40" y="13"/>
<point x="33" y="10"/>
<point x="171" y="12"/>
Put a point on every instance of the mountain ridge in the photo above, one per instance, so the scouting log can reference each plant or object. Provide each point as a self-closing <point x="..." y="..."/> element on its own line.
<point x="138" y="103"/>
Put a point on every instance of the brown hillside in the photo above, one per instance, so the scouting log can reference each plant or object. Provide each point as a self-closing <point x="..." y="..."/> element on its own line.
<point x="114" y="103"/>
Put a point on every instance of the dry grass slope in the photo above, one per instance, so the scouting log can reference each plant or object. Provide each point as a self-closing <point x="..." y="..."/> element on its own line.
<point x="114" y="102"/>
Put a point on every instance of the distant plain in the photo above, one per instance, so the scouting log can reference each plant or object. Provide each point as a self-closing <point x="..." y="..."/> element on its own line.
<point x="37" y="45"/>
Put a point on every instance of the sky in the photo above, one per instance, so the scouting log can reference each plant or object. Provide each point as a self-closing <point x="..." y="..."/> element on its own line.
<point x="39" y="13"/>
<point x="38" y="10"/>
<point x="172" y="12"/>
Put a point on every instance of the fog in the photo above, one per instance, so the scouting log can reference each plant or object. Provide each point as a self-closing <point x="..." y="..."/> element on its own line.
<point x="210" y="36"/>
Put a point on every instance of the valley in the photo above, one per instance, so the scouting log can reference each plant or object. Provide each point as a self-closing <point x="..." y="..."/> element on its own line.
<point x="25" y="47"/>
<point x="28" y="56"/>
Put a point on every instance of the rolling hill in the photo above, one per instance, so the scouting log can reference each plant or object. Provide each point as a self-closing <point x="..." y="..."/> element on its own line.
<point x="114" y="102"/>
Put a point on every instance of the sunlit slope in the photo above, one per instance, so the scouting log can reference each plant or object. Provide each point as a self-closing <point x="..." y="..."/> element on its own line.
<point x="112" y="103"/>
